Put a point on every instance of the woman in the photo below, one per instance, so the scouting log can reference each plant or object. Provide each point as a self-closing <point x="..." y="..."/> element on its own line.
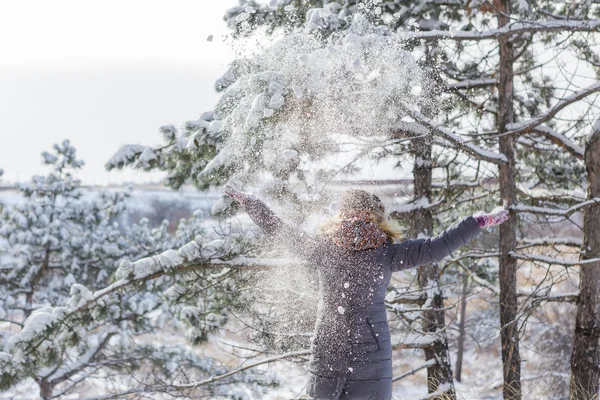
<point x="351" y="353"/>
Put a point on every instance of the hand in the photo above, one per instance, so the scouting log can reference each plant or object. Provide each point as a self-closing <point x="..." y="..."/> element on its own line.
<point x="238" y="195"/>
<point x="496" y="217"/>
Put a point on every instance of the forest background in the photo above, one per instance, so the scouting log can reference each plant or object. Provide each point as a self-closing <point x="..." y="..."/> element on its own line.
<point x="442" y="108"/>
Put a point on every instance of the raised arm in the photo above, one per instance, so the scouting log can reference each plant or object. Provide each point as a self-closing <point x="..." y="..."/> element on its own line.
<point x="299" y="242"/>
<point x="417" y="252"/>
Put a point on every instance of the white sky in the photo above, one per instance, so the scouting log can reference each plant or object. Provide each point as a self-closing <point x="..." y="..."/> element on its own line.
<point x="102" y="74"/>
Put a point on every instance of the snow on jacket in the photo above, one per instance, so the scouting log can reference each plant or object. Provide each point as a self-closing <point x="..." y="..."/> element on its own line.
<point x="351" y="353"/>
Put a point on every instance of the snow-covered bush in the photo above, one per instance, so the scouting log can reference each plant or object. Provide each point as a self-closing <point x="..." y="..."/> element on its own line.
<point x="78" y="291"/>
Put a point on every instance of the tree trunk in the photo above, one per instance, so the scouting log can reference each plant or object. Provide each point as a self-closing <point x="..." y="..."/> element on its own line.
<point x="461" y="327"/>
<point x="509" y="333"/>
<point x="45" y="390"/>
<point x="432" y="321"/>
<point x="585" y="359"/>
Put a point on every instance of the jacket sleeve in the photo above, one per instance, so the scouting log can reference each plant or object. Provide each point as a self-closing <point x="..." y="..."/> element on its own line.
<point x="417" y="252"/>
<point x="295" y="240"/>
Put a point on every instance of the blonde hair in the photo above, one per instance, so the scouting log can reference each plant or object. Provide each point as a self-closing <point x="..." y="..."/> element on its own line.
<point x="392" y="228"/>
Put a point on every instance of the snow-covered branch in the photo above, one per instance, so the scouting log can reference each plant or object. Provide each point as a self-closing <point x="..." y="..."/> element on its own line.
<point x="557" y="298"/>
<point x="553" y="211"/>
<point x="552" y="261"/>
<point x="560" y="140"/>
<point x="516" y="28"/>
<point x="471" y="84"/>
<point x="427" y="364"/>
<point x="395" y="298"/>
<point x="459" y="142"/>
<point x="551" y="241"/>
<point x="66" y="371"/>
<point x="400" y="210"/>
<point x="528" y="126"/>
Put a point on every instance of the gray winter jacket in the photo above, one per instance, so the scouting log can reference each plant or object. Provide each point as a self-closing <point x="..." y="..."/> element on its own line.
<point x="351" y="350"/>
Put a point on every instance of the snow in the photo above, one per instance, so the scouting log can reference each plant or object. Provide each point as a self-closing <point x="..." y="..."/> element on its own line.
<point x="289" y="154"/>
<point x="273" y="3"/>
<point x="213" y="249"/>
<point x="169" y="132"/>
<point x="37" y="323"/>
<point x="200" y="123"/>
<point x="220" y="159"/>
<point x="267" y="113"/>
<point x="191" y="251"/>
<point x="49" y="158"/>
<point x="390" y="296"/>
<point x="303" y="59"/>
<point x="169" y="259"/>
<point x="215" y="126"/>
<point x="443" y="388"/>
<point x="174" y="292"/>
<point x="346" y="285"/>
<point x="277" y="101"/>
<point x="297" y="91"/>
<point x="125" y="269"/>
<point x="418" y="204"/>
<point x="596" y="126"/>
<point x="146" y="156"/>
<point x="80" y="295"/>
<point x="242" y="17"/>
<point x="124" y="155"/>
<point x="341" y="309"/>
<point x="221" y="205"/>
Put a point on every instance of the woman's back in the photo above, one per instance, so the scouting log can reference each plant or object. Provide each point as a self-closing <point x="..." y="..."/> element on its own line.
<point x="351" y="350"/>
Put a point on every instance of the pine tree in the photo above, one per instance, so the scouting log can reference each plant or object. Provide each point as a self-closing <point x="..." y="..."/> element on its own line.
<point x="61" y="249"/>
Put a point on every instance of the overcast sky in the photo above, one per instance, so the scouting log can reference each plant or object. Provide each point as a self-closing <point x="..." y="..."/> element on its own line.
<point x="102" y="74"/>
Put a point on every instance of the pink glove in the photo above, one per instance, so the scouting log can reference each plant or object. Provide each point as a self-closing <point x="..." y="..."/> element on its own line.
<point x="496" y="217"/>
<point x="238" y="195"/>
